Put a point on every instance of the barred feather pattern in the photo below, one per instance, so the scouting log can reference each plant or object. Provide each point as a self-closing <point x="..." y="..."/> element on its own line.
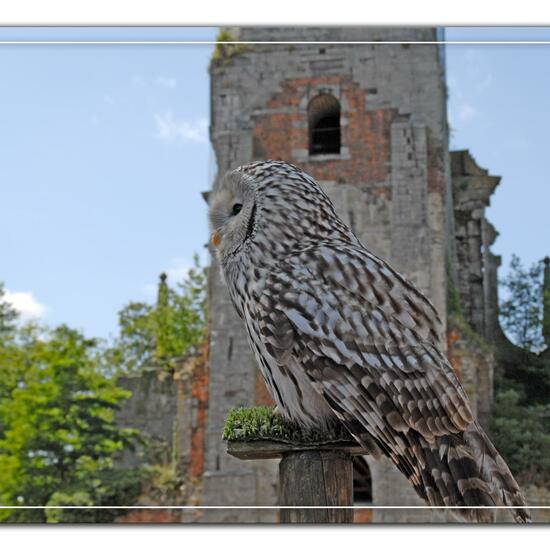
<point x="341" y="336"/>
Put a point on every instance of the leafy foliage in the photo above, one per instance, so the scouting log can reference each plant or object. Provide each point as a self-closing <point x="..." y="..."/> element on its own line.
<point x="521" y="314"/>
<point x="521" y="425"/>
<point x="109" y="487"/>
<point x="522" y="436"/>
<point x="225" y="50"/>
<point x="58" y="398"/>
<point x="58" y="438"/>
<point x="153" y="336"/>
<point x="527" y="373"/>
<point x="8" y="316"/>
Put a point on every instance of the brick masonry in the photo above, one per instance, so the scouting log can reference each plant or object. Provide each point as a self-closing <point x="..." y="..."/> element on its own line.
<point x="390" y="183"/>
<point x="407" y="198"/>
<point x="169" y="408"/>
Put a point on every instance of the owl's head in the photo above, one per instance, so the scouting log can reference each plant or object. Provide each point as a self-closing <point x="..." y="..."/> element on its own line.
<point x="232" y="212"/>
<point x="274" y="205"/>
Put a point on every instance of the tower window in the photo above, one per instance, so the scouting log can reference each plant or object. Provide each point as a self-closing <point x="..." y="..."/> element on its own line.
<point x="362" y="480"/>
<point x="324" y="125"/>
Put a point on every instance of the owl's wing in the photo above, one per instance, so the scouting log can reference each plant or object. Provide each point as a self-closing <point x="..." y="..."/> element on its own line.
<point x="372" y="357"/>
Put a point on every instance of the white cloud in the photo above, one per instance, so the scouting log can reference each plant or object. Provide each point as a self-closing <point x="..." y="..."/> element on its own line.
<point x="137" y="80"/>
<point x="150" y="290"/>
<point x="451" y="81"/>
<point x="166" y="82"/>
<point x="485" y="83"/>
<point x="26" y="304"/>
<point x="172" y="130"/>
<point x="466" y="112"/>
<point x="177" y="270"/>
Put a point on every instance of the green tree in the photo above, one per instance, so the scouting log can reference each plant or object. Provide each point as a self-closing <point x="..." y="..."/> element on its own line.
<point x="58" y="439"/>
<point x="522" y="435"/>
<point x="8" y="316"/>
<point x="521" y="426"/>
<point x="10" y="373"/>
<point x="524" y="367"/>
<point x="153" y="335"/>
<point x="521" y="313"/>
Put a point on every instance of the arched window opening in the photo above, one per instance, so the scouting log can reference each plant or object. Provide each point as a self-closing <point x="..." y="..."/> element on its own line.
<point x="324" y="125"/>
<point x="362" y="480"/>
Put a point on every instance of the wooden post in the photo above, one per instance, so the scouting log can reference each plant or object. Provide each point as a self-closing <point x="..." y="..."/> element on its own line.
<point x="319" y="474"/>
<point x="316" y="478"/>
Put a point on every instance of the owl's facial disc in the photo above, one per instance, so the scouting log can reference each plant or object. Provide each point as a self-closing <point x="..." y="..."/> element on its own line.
<point x="232" y="213"/>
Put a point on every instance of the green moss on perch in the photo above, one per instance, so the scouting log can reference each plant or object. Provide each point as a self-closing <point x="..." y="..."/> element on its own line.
<point x="262" y="423"/>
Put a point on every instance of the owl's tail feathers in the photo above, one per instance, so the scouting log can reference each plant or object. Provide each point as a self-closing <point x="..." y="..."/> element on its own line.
<point x="497" y="474"/>
<point x="466" y="470"/>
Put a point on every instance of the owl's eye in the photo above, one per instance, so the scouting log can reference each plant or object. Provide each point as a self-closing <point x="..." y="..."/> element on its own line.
<point x="236" y="208"/>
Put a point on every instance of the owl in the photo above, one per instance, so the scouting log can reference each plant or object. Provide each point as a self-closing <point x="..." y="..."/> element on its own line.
<point x="341" y="337"/>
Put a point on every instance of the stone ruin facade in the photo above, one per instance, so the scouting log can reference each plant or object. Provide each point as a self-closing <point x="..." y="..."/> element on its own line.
<point x="169" y="408"/>
<point x="386" y="165"/>
<point x="369" y="122"/>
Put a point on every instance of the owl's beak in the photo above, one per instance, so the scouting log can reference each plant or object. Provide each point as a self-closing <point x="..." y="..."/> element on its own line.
<point x="216" y="239"/>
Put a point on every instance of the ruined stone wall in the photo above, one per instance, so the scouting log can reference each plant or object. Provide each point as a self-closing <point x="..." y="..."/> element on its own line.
<point x="389" y="183"/>
<point x="394" y="185"/>
<point x="476" y="265"/>
<point x="169" y="408"/>
<point x="473" y="323"/>
<point x="151" y="409"/>
<point x="473" y="361"/>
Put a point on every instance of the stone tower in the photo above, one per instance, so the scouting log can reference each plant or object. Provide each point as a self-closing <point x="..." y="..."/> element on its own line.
<point x="369" y="122"/>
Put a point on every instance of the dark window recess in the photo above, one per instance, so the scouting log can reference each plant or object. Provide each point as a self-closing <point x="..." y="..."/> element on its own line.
<point x="362" y="480"/>
<point x="324" y="125"/>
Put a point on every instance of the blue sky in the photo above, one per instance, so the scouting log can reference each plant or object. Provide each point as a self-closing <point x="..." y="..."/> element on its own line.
<point x="104" y="152"/>
<point x="499" y="109"/>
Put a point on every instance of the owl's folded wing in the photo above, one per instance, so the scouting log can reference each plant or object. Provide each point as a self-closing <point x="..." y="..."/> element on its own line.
<point x="365" y="362"/>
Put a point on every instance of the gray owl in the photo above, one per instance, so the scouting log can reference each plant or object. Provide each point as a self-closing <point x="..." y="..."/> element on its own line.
<point x="340" y="336"/>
